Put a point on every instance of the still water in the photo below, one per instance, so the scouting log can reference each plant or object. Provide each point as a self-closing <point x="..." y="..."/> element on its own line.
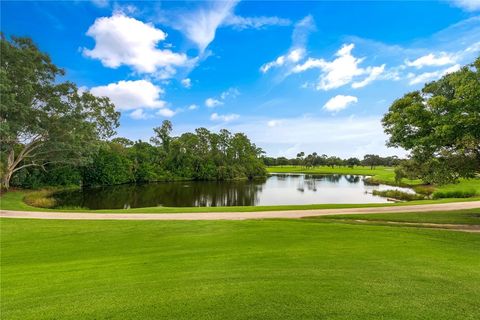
<point x="278" y="189"/>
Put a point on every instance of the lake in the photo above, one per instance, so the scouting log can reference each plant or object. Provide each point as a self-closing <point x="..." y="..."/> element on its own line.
<point x="278" y="189"/>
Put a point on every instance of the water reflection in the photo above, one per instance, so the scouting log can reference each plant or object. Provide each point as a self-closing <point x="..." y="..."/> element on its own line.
<point x="276" y="190"/>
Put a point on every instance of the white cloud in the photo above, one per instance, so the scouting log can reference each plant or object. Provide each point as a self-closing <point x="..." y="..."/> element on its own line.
<point x="254" y="22"/>
<point x="130" y="95"/>
<point x="431" y="60"/>
<point x="293" y="56"/>
<point x="187" y="83"/>
<point x="297" y="50"/>
<point x="341" y="71"/>
<point x="121" y="40"/>
<point x="193" y="107"/>
<point x="373" y="74"/>
<point x="224" y="118"/>
<point x="274" y="123"/>
<point x="212" y="102"/>
<point x="430" y="76"/>
<point x="469" y="5"/>
<point x="339" y="102"/>
<point x="200" y="25"/>
<point x="138" y="114"/>
<point x="230" y="93"/>
<point x="166" y="112"/>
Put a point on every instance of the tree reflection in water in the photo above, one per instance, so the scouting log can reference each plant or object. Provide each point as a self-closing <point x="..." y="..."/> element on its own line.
<point x="276" y="190"/>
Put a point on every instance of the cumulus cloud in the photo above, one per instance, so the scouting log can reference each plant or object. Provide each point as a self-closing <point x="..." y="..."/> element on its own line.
<point x="129" y="95"/>
<point x="166" y="112"/>
<point x="187" y="83"/>
<point x="293" y="56"/>
<point x="431" y="59"/>
<point x="121" y="40"/>
<point x="340" y="71"/>
<point x="212" y="102"/>
<point x="138" y="114"/>
<point x="373" y="74"/>
<point x="193" y="107"/>
<point x="339" y="102"/>
<point x="224" y="118"/>
<point x="431" y="76"/>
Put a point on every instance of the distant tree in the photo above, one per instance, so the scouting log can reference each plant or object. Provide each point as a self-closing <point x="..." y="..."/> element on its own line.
<point x="162" y="135"/>
<point x="440" y="126"/>
<point x="372" y="160"/>
<point x="44" y="121"/>
<point x="352" y="162"/>
<point x="300" y="156"/>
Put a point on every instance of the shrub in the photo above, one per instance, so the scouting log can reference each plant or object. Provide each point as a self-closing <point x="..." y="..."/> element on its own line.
<point x="40" y="199"/>
<point x="399" y="195"/>
<point x="454" y="194"/>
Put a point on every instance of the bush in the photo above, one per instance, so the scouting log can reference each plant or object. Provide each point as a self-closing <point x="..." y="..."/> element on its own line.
<point x="399" y="195"/>
<point x="454" y="194"/>
<point x="40" y="199"/>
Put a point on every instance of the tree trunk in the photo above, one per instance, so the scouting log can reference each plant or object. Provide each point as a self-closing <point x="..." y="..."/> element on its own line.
<point x="7" y="175"/>
<point x="6" y="180"/>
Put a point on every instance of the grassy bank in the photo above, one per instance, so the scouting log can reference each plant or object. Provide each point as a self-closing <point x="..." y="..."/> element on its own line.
<point x="14" y="200"/>
<point x="271" y="269"/>
<point x="471" y="217"/>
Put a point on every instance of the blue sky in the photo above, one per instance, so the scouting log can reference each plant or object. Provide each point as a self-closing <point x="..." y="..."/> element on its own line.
<point x="294" y="76"/>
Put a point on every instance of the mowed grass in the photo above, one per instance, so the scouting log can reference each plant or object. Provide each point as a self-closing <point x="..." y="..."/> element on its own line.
<point x="264" y="269"/>
<point x="470" y="217"/>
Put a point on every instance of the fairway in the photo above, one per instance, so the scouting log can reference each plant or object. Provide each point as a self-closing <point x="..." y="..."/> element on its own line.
<point x="268" y="269"/>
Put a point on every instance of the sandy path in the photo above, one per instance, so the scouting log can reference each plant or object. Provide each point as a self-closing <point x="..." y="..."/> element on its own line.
<point x="236" y="215"/>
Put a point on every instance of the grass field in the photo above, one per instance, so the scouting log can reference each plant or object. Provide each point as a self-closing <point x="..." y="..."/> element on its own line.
<point x="267" y="269"/>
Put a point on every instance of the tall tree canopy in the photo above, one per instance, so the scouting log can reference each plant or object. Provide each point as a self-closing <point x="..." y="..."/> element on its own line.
<point x="440" y="125"/>
<point x="42" y="120"/>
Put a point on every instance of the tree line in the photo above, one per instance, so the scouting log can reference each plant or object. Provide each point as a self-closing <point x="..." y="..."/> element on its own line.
<point x="201" y="155"/>
<point x="314" y="160"/>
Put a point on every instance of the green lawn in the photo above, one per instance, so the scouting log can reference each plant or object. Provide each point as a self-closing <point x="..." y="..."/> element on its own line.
<point x="267" y="269"/>
<point x="471" y="217"/>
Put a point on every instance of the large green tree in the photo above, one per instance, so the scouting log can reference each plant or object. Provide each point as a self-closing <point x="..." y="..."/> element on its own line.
<point x="440" y="125"/>
<point x="42" y="120"/>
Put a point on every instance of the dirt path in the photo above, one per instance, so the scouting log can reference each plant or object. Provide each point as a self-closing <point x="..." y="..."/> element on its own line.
<point x="236" y="215"/>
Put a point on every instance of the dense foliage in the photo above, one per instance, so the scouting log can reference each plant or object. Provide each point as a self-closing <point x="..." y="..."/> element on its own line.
<point x="202" y="155"/>
<point x="43" y="121"/>
<point x="315" y="160"/>
<point x="440" y="125"/>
